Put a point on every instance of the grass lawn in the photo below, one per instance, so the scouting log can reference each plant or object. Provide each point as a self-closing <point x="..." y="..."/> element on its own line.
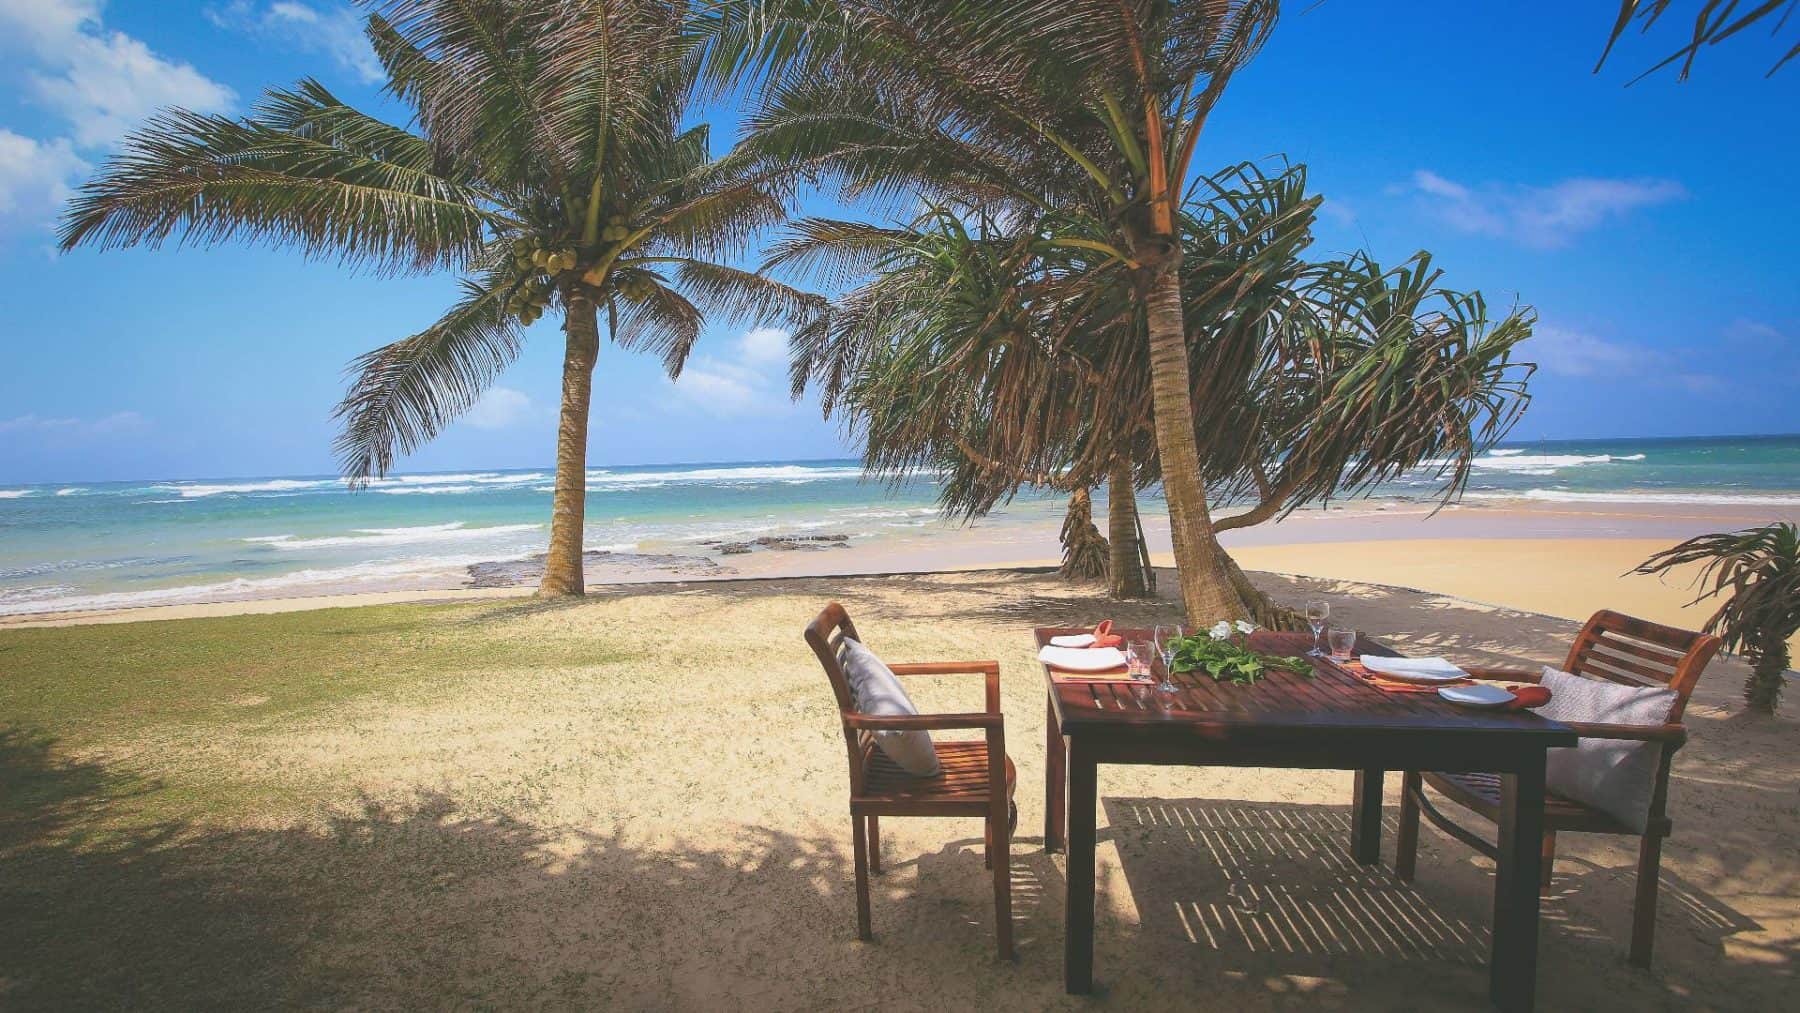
<point x="639" y="801"/>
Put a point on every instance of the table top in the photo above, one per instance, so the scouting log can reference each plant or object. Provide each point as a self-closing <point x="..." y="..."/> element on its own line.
<point x="1281" y="702"/>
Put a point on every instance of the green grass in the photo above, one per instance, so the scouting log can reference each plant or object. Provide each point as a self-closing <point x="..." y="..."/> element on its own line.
<point x="82" y="681"/>
<point x="107" y="689"/>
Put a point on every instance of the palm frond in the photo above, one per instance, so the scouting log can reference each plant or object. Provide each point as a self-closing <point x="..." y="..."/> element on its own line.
<point x="405" y="393"/>
<point x="657" y="319"/>
<point x="303" y="172"/>
<point x="1714" y="21"/>
<point x="1756" y="573"/>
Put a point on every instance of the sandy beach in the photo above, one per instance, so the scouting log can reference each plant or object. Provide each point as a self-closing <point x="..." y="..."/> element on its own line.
<point x="1560" y="560"/>
<point x="636" y="801"/>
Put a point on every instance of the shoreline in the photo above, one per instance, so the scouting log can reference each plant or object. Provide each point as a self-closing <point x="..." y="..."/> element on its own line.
<point x="1564" y="560"/>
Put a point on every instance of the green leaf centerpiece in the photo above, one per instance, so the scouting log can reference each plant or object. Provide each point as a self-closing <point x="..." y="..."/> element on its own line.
<point x="1223" y="653"/>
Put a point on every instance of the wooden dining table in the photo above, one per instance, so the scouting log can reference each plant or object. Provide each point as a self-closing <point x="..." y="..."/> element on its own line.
<point x="1329" y="720"/>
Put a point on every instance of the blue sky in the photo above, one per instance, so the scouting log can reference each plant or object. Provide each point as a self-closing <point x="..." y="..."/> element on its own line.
<point x="1653" y="227"/>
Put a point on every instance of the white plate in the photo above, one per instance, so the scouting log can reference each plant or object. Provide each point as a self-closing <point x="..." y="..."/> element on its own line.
<point x="1423" y="671"/>
<point x="1080" y="659"/>
<point x="1073" y="640"/>
<point x="1478" y="695"/>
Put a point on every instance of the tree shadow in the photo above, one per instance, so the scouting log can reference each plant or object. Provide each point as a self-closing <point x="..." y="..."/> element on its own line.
<point x="428" y="905"/>
<point x="420" y="905"/>
<point x="1268" y="892"/>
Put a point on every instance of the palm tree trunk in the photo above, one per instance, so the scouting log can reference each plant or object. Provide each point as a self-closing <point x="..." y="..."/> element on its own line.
<point x="568" y="508"/>
<point x="1206" y="590"/>
<point x="1762" y="691"/>
<point x="1126" y="569"/>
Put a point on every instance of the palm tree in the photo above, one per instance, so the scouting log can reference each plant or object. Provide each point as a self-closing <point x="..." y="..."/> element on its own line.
<point x="1714" y="22"/>
<point x="1757" y="572"/>
<point x="988" y="351"/>
<point x="1090" y="108"/>
<point x="548" y="164"/>
<point x="1084" y="550"/>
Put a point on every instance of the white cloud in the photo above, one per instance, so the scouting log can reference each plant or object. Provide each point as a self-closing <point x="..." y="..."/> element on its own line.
<point x="1563" y="352"/>
<point x="42" y="425"/>
<point x="330" y="29"/>
<point x="750" y="382"/>
<point x="106" y="83"/>
<point x="1537" y="216"/>
<point x="1754" y="331"/>
<point x="764" y="346"/>
<point x="499" y="408"/>
<point x="49" y="19"/>
<point x="1573" y="353"/>
<point x="99" y="83"/>
<point x="34" y="175"/>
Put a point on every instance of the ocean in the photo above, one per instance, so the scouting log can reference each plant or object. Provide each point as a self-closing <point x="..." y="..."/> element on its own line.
<point x="77" y="546"/>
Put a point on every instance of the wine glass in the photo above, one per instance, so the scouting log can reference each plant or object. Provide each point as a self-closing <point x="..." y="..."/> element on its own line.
<point x="1317" y="611"/>
<point x="1165" y="647"/>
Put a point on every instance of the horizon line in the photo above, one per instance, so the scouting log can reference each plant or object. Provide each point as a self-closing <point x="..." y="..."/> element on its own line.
<point x="551" y="468"/>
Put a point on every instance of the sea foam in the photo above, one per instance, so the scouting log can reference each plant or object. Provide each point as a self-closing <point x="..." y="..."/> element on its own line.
<point x="455" y="531"/>
<point x="375" y="576"/>
<point x="745" y="474"/>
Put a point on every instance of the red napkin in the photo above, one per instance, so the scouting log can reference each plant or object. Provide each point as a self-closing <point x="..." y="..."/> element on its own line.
<point x="1527" y="696"/>
<point x="1104" y="636"/>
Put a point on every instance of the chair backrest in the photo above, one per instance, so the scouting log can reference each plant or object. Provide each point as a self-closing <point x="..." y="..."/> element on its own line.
<point x="1636" y="652"/>
<point x="826" y="635"/>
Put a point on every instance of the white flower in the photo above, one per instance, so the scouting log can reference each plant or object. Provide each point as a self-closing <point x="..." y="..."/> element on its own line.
<point x="1246" y="628"/>
<point x="1220" y="631"/>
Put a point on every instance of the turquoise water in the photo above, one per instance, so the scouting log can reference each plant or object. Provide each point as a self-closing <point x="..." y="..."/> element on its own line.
<point x="104" y="545"/>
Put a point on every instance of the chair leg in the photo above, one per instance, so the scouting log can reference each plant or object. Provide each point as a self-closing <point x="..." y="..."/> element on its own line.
<point x="860" y="847"/>
<point x="1406" y="841"/>
<point x="874" y="845"/>
<point x="1001" y="863"/>
<point x="1549" y="859"/>
<point x="1643" y="918"/>
<point x="987" y="845"/>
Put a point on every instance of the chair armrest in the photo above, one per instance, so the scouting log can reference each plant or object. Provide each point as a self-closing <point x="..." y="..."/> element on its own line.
<point x="990" y="669"/>
<point x="1671" y="735"/>
<point x="947" y="668"/>
<point x="922" y="722"/>
<point x="1503" y="674"/>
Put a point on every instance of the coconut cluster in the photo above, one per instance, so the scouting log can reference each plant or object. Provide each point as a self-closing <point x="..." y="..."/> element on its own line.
<point x="540" y="264"/>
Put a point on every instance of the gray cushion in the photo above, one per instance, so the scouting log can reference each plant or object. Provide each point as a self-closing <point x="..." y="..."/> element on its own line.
<point x="875" y="690"/>
<point x="1615" y="777"/>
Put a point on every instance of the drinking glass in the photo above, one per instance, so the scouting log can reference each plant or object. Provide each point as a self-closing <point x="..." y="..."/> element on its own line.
<point x="1342" y="643"/>
<point x="1317" y="612"/>
<point x="1165" y="646"/>
<point x="1137" y="659"/>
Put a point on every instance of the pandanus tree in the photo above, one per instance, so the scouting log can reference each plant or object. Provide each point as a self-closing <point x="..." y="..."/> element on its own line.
<point x="1086" y="108"/>
<point x="1713" y="22"/>
<point x="983" y="350"/>
<point x="547" y="161"/>
<point x="1755" y="575"/>
<point x="948" y="361"/>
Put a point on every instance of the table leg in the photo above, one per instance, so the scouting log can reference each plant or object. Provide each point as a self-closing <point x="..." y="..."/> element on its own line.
<point x="1512" y="964"/>
<point x="1056" y="761"/>
<point x="1078" y="941"/>
<point x="1365" y="817"/>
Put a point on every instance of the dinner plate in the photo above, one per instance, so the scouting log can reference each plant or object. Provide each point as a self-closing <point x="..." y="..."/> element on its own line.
<point x="1073" y="640"/>
<point x="1421" y="671"/>
<point x="1077" y="659"/>
<point x="1478" y="695"/>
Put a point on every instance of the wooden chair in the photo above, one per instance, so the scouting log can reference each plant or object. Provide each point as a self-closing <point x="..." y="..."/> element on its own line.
<point x="965" y="786"/>
<point x="1616" y="648"/>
